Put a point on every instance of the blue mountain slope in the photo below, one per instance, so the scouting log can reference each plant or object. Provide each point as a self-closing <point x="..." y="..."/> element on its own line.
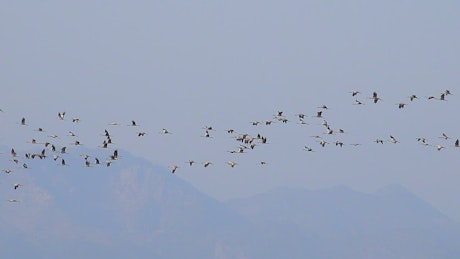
<point x="348" y="224"/>
<point x="130" y="208"/>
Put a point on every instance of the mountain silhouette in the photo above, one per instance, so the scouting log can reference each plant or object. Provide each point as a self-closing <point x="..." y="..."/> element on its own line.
<point x="136" y="208"/>
<point x="390" y="223"/>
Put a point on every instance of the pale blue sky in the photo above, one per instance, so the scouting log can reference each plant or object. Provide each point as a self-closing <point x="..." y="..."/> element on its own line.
<point x="182" y="66"/>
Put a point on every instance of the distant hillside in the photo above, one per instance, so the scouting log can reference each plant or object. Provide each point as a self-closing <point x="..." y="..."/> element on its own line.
<point x="390" y="223"/>
<point x="136" y="209"/>
<point x="131" y="208"/>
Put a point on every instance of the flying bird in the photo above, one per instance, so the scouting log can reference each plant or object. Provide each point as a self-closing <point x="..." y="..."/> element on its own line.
<point x="375" y="97"/>
<point x="439" y="147"/>
<point x="165" y="131"/>
<point x="174" y="168"/>
<point x="393" y="140"/>
<point x="353" y="93"/>
<point x="401" y="105"/>
<point x="231" y="163"/>
<point x="309" y="149"/>
<point x="444" y="136"/>
<point x="413" y="97"/>
<point x="190" y="162"/>
<point x="207" y="163"/>
<point x="379" y="141"/>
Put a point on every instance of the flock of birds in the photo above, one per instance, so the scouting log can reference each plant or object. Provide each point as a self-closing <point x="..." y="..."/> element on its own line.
<point x="51" y="150"/>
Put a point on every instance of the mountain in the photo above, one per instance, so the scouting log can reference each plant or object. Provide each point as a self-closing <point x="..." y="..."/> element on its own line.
<point x="132" y="208"/>
<point x="137" y="209"/>
<point x="390" y="223"/>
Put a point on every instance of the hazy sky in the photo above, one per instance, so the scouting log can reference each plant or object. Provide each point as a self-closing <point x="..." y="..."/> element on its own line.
<point x="183" y="66"/>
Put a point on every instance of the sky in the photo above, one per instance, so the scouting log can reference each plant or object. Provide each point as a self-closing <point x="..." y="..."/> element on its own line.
<point x="184" y="66"/>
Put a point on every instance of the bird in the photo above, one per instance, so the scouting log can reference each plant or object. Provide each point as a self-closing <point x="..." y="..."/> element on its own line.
<point x="61" y="115"/>
<point x="283" y="120"/>
<point x="323" y="143"/>
<point x="231" y="163"/>
<point x="357" y="102"/>
<point x="422" y="141"/>
<point x="141" y="134"/>
<point x="401" y="105"/>
<point x="375" y="97"/>
<point x="76" y="120"/>
<point x="444" y="136"/>
<point x="133" y="123"/>
<point x="207" y="134"/>
<point x="12" y="200"/>
<point x="301" y="115"/>
<point x="379" y="141"/>
<point x="442" y="97"/>
<point x="456" y="144"/>
<point x="319" y="114"/>
<point x="164" y="131"/>
<point x="393" y="140"/>
<point x="104" y="144"/>
<point x="412" y="97"/>
<point x="309" y="149"/>
<point x="13" y="153"/>
<point x="354" y="92"/>
<point x="439" y="147"/>
<point x="106" y="133"/>
<point x="262" y="163"/>
<point x="174" y="168"/>
<point x="207" y="163"/>
<point x="16" y="185"/>
<point x="302" y="122"/>
<point x="23" y="121"/>
<point x="190" y="162"/>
